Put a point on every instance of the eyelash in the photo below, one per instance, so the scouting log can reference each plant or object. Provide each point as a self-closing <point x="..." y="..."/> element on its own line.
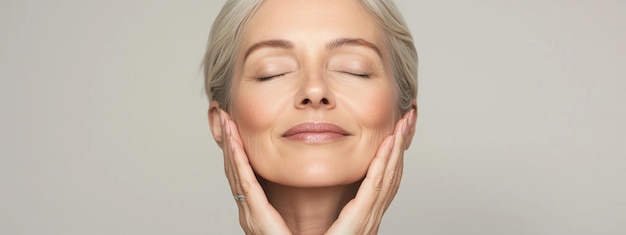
<point x="358" y="75"/>
<point x="262" y="79"/>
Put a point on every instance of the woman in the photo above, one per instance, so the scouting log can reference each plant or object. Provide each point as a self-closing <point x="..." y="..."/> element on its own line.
<point x="313" y="104"/>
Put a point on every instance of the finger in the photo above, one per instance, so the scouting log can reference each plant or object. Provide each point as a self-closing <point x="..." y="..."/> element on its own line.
<point x="390" y="181"/>
<point x="401" y="132"/>
<point x="248" y="182"/>
<point x="256" y="214"/>
<point x="396" y="153"/>
<point x="256" y="205"/>
<point x="226" y="150"/>
<point x="232" y="134"/>
<point x="398" y="177"/>
<point x="410" y="129"/>
<point x="360" y="208"/>
<point x="233" y="175"/>
<point x="229" y="165"/>
<point x="372" y="184"/>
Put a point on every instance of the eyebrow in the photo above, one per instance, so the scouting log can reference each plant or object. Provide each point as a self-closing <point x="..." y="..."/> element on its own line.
<point x="337" y="43"/>
<point x="352" y="42"/>
<point x="284" y="44"/>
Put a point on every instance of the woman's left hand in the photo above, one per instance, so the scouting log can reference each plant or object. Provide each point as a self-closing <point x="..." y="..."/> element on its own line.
<point x="363" y="214"/>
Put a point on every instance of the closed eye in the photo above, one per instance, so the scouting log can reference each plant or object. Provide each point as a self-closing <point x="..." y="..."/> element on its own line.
<point x="266" y="78"/>
<point x="359" y="75"/>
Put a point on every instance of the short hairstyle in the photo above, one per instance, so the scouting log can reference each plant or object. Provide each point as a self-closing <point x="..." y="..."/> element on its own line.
<point x="226" y="36"/>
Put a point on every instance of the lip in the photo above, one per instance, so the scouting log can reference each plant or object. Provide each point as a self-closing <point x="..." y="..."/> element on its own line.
<point x="311" y="132"/>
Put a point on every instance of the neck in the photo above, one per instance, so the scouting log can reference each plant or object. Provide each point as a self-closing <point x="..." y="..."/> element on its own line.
<point x="309" y="210"/>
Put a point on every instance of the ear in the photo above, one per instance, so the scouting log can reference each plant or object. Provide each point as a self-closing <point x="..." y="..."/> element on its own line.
<point x="215" y="122"/>
<point x="411" y="127"/>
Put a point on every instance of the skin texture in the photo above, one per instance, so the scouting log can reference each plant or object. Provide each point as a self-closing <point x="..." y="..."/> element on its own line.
<point x="264" y="110"/>
<point x="312" y="62"/>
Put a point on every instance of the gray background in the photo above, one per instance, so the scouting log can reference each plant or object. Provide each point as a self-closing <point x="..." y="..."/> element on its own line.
<point x="521" y="127"/>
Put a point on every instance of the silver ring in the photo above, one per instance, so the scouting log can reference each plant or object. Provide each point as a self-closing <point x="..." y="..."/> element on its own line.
<point x="240" y="197"/>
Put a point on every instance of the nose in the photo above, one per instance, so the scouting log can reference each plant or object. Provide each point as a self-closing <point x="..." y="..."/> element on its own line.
<point x="314" y="93"/>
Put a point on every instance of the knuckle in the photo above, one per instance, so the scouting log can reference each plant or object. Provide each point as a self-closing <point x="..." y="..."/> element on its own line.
<point x="246" y="187"/>
<point x="378" y="183"/>
<point x="392" y="179"/>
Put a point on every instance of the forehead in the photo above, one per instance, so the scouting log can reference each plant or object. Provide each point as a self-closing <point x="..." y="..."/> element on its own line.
<point x="312" y="20"/>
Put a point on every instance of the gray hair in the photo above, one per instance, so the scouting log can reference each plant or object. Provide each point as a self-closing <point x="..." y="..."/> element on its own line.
<point x="226" y="36"/>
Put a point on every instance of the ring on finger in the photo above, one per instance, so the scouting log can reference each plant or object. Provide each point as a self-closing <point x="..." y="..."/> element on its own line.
<point x="240" y="197"/>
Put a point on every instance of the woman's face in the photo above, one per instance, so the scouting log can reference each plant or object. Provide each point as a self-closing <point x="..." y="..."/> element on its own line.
<point x="313" y="92"/>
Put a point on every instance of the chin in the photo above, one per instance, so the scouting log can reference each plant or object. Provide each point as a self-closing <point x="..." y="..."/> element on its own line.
<point x="314" y="175"/>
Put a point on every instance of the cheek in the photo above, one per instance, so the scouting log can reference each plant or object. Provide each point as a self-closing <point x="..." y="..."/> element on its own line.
<point x="255" y="111"/>
<point x="375" y="110"/>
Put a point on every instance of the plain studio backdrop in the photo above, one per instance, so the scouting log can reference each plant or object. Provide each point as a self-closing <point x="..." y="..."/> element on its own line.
<point x="520" y="131"/>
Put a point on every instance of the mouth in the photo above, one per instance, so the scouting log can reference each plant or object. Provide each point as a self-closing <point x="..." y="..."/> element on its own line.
<point x="310" y="132"/>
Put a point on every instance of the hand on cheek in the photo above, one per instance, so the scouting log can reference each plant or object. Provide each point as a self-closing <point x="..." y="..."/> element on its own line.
<point x="256" y="214"/>
<point x="363" y="214"/>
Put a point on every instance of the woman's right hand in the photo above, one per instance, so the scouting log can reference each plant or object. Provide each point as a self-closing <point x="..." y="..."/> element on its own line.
<point x="256" y="214"/>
